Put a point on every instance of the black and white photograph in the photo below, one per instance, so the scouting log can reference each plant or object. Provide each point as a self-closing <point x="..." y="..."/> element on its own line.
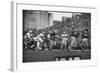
<point x="55" y="36"/>
<point x="52" y="36"/>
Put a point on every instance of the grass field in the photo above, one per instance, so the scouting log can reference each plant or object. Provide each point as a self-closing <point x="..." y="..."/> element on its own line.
<point x="38" y="56"/>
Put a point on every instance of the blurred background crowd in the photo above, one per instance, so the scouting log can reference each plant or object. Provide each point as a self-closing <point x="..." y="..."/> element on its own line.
<point x="69" y="34"/>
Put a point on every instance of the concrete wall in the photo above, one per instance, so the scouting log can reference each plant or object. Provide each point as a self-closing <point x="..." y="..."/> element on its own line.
<point x="36" y="19"/>
<point x="50" y="19"/>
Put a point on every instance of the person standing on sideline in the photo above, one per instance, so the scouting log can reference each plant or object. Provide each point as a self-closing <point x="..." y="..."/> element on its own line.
<point x="64" y="40"/>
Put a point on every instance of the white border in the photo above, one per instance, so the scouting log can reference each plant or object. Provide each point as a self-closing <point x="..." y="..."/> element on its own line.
<point x="17" y="63"/>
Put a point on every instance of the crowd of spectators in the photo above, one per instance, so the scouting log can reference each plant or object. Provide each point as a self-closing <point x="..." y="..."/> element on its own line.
<point x="71" y="34"/>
